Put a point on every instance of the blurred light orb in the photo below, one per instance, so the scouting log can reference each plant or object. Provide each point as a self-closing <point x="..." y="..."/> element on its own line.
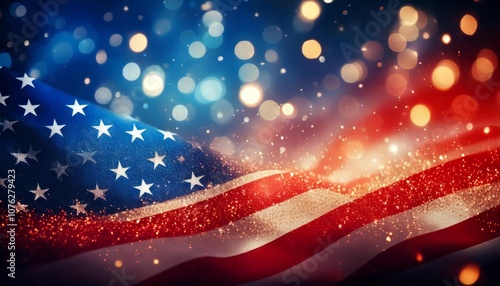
<point x="172" y="4"/>
<point x="482" y="69"/>
<point x="224" y="145"/>
<point x="62" y="52"/>
<point x="138" y="43"/>
<point x="244" y="50"/>
<point x="131" y="71"/>
<point x="331" y="82"/>
<point x="396" y="84"/>
<point x="162" y="26"/>
<point x="469" y="274"/>
<point x="221" y="112"/>
<point x="80" y="33"/>
<point x="407" y="59"/>
<point x="216" y="29"/>
<point x="251" y="95"/>
<point x="311" y="49"/>
<point x="197" y="50"/>
<point x="86" y="46"/>
<point x="309" y="10"/>
<point x="350" y="73"/>
<point x="272" y="34"/>
<point x="409" y="32"/>
<point x="248" y="72"/>
<point x="445" y="75"/>
<point x="17" y="10"/>
<point x="271" y="56"/>
<point x="180" y="112"/>
<point x="122" y="105"/>
<point x="101" y="57"/>
<point x="408" y="15"/>
<point x="153" y="81"/>
<point x="468" y="25"/>
<point x="103" y="95"/>
<point x="115" y="40"/>
<point x="354" y="149"/>
<point x="420" y="115"/>
<point x="209" y="90"/>
<point x="212" y="42"/>
<point x="211" y="17"/>
<point x="108" y="17"/>
<point x="288" y="109"/>
<point x="269" y="110"/>
<point x="372" y="51"/>
<point x="446" y="39"/>
<point x="186" y="85"/>
<point x="397" y="43"/>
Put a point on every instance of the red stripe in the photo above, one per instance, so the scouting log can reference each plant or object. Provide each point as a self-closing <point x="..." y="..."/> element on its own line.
<point x="72" y="236"/>
<point x="301" y="243"/>
<point x="402" y="256"/>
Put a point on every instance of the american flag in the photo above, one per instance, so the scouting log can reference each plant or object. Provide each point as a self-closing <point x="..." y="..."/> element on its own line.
<point x="102" y="199"/>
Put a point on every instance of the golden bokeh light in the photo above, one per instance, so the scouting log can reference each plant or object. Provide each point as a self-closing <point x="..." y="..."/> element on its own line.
<point x="409" y="32"/>
<point x="469" y="274"/>
<point x="251" y="95"/>
<point x="244" y="50"/>
<point x="138" y="43"/>
<point x="407" y="59"/>
<point x="118" y="263"/>
<point x="396" y="84"/>
<point x="354" y="149"/>
<point x="269" y="110"/>
<point x="397" y="42"/>
<point x="311" y="49"/>
<point x="482" y="69"/>
<point x="372" y="51"/>
<point x="468" y="25"/>
<point x="446" y="39"/>
<point x="408" y="15"/>
<point x="420" y="115"/>
<point x="288" y="109"/>
<point x="445" y="75"/>
<point x="309" y="10"/>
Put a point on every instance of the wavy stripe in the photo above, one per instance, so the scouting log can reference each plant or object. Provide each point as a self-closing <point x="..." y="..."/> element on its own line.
<point x="190" y="199"/>
<point x="244" y="235"/>
<point x="298" y="245"/>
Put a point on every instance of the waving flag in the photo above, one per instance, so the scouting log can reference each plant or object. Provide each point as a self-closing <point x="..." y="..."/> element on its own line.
<point x="102" y="199"/>
<point x="235" y="142"/>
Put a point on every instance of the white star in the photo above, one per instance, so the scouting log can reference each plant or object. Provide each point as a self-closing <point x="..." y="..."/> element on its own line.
<point x="32" y="154"/>
<point x="60" y="169"/>
<point x="29" y="108"/>
<point x="144" y="188"/>
<point x="120" y="171"/>
<point x="167" y="134"/>
<point x="20" y="207"/>
<point x="80" y="208"/>
<point x="195" y="145"/>
<point x="103" y="129"/>
<point x="39" y="192"/>
<point x="87" y="156"/>
<point x="26" y="80"/>
<point x="98" y="193"/>
<point x="3" y="98"/>
<point x="136" y="133"/>
<point x="77" y="108"/>
<point x="8" y="125"/>
<point x="55" y="129"/>
<point x="2" y="182"/>
<point x="20" y="157"/>
<point x="157" y="160"/>
<point x="194" y="180"/>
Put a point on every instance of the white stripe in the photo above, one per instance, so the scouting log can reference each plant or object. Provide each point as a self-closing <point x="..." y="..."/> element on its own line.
<point x="352" y="251"/>
<point x="190" y="199"/>
<point x="241" y="236"/>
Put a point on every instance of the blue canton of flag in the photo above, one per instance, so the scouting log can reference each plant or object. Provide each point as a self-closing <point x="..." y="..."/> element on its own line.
<point x="71" y="155"/>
